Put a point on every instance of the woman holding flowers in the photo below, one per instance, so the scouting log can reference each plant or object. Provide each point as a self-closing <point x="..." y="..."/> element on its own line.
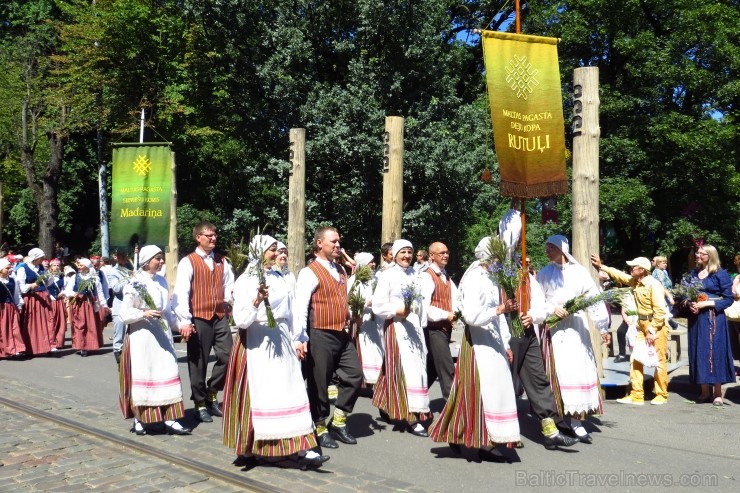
<point x="266" y="409"/>
<point x="58" y="303"/>
<point x="710" y="357"/>
<point x="369" y="339"/>
<point x="11" y="341"/>
<point x="481" y="411"/>
<point x="570" y="356"/>
<point x="149" y="377"/>
<point x="84" y="293"/>
<point x="36" y="314"/>
<point x="401" y="392"/>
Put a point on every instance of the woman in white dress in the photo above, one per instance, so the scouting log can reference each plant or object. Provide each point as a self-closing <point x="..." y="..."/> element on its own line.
<point x="572" y="363"/>
<point x="266" y="410"/>
<point x="401" y="392"/>
<point x="369" y="340"/>
<point x="149" y="376"/>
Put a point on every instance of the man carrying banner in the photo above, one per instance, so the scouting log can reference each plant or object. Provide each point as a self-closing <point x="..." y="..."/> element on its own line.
<point x="203" y="289"/>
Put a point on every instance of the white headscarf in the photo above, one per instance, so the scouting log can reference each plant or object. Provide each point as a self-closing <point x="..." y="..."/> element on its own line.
<point x="281" y="246"/>
<point x="147" y="253"/>
<point x="86" y="262"/>
<point x="35" y="254"/>
<point x="4" y="262"/>
<point x="482" y="251"/>
<point x="399" y="245"/>
<point x="260" y="243"/>
<point x="363" y="258"/>
<point x="561" y="242"/>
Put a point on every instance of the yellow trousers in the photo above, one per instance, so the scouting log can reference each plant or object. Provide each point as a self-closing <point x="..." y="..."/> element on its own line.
<point x="661" y="372"/>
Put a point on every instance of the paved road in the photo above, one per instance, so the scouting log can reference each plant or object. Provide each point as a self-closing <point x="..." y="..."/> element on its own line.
<point x="673" y="445"/>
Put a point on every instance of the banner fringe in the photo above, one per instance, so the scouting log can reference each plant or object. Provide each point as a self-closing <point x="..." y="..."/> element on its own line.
<point x="524" y="191"/>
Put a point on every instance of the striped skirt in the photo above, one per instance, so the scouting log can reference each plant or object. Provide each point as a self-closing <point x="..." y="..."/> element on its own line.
<point x="145" y="414"/>
<point x="237" y="422"/>
<point x="36" y="321"/>
<point x="11" y="339"/>
<point x="87" y="334"/>
<point x="59" y="322"/>
<point x="462" y="420"/>
<point x="389" y="393"/>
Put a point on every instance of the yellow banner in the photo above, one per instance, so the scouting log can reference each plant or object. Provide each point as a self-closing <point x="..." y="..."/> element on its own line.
<point x="524" y="90"/>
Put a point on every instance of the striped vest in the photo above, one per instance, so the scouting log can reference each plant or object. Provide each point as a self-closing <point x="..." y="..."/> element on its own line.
<point x="441" y="298"/>
<point x="329" y="307"/>
<point x="207" y="288"/>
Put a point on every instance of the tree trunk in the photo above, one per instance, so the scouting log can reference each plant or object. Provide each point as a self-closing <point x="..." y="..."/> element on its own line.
<point x="48" y="205"/>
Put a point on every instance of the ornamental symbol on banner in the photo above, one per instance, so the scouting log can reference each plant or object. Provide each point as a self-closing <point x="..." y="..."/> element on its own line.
<point x="521" y="76"/>
<point x="142" y="165"/>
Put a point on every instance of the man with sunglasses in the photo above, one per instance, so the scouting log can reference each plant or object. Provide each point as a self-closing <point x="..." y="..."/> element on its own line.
<point x="203" y="291"/>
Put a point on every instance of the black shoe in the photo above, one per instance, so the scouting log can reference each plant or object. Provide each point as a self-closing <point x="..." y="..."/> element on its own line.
<point x="384" y="416"/>
<point x="559" y="440"/>
<point x="342" y="434"/>
<point x="201" y="414"/>
<point x="83" y="353"/>
<point x="326" y="441"/>
<point x="214" y="409"/>
<point x="586" y="439"/>
<point x="138" y="428"/>
<point x="313" y="463"/>
<point x="419" y="433"/>
<point x="492" y="456"/>
<point x="621" y="358"/>
<point x="181" y="430"/>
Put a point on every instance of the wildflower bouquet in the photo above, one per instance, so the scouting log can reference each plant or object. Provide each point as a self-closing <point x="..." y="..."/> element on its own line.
<point x="690" y="289"/>
<point x="257" y="252"/>
<point x="41" y="278"/>
<point x="363" y="275"/>
<point x="583" y="301"/>
<point x="508" y="276"/>
<point x="410" y="293"/>
<point x="86" y="287"/>
<point x="148" y="300"/>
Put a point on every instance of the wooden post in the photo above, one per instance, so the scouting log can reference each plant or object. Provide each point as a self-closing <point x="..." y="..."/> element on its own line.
<point x="297" y="200"/>
<point x="173" y="249"/>
<point x="392" y="179"/>
<point x="1" y="213"/>
<point x="586" y="135"/>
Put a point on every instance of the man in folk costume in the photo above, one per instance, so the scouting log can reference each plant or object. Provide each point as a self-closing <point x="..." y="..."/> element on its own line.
<point x="481" y="411"/>
<point x="322" y="309"/>
<point x="651" y="325"/>
<point x="58" y="302"/>
<point x="203" y="289"/>
<point x="118" y="277"/>
<point x="401" y="393"/>
<point x="528" y="366"/>
<point x="11" y="339"/>
<point x="573" y="373"/>
<point x="36" y="315"/>
<point x="441" y="301"/>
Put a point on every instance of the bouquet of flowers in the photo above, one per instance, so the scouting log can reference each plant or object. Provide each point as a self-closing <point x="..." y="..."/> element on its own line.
<point x="363" y="275"/>
<point x="583" y="301"/>
<point x="147" y="299"/>
<point x="259" y="270"/>
<point x="86" y="287"/>
<point x="690" y="289"/>
<point x="410" y="293"/>
<point x="41" y="278"/>
<point x="508" y="276"/>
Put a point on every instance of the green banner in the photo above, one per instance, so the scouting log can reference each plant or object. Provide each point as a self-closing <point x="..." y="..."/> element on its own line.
<point x="140" y="205"/>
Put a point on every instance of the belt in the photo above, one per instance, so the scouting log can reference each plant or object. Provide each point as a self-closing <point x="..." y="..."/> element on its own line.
<point x="644" y="317"/>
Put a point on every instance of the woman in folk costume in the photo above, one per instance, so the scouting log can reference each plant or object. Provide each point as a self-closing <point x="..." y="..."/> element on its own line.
<point x="401" y="392"/>
<point x="569" y="355"/>
<point x="36" y="315"/>
<point x="281" y="265"/>
<point x="58" y="302"/>
<point x="266" y="410"/>
<point x="85" y="294"/>
<point x="11" y="339"/>
<point x="369" y="340"/>
<point x="148" y="375"/>
<point x="481" y="411"/>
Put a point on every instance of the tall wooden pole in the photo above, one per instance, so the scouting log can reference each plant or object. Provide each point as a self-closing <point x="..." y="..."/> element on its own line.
<point x="173" y="250"/>
<point x="392" y="179"/>
<point x="586" y="134"/>
<point x="297" y="200"/>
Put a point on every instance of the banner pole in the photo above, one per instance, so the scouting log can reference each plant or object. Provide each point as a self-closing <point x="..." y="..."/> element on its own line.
<point x="518" y="22"/>
<point x="141" y="128"/>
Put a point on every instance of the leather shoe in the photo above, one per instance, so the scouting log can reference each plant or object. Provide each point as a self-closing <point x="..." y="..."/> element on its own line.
<point x="326" y="441"/>
<point x="138" y="428"/>
<point x="180" y="430"/>
<point x="420" y="432"/>
<point x="312" y="463"/>
<point x="586" y="438"/>
<point x="342" y="434"/>
<point x="214" y="409"/>
<point x="201" y="414"/>
<point x="384" y="416"/>
<point x="559" y="440"/>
